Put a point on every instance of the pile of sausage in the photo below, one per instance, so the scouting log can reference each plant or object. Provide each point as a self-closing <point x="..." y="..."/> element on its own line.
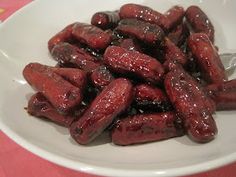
<point x="139" y="74"/>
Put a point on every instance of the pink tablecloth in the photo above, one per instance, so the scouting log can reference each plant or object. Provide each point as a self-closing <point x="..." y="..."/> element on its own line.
<point x="18" y="162"/>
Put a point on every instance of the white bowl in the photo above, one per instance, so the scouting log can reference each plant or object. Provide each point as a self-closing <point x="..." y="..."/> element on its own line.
<point x="23" y="39"/>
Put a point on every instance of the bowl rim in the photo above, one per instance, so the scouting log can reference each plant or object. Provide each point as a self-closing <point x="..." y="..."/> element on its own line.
<point x="106" y="171"/>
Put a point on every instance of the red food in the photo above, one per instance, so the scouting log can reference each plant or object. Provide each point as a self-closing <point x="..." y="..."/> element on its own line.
<point x="39" y="106"/>
<point x="144" y="13"/>
<point x="144" y="92"/>
<point x="146" y="127"/>
<point x="124" y="61"/>
<point x="101" y="77"/>
<point x="225" y="100"/>
<point x="91" y="35"/>
<point x="113" y="100"/>
<point x="224" y="95"/>
<point x="62" y="94"/>
<point x="148" y="33"/>
<point x="200" y="22"/>
<point x="106" y="19"/>
<point x="148" y="97"/>
<point x="152" y="49"/>
<point x="207" y="58"/>
<point x="130" y="44"/>
<point x="179" y="34"/>
<point x="70" y="54"/>
<point x="221" y="87"/>
<point x="173" y="53"/>
<point x="63" y="36"/>
<point x="175" y="16"/>
<point x="191" y="104"/>
<point x="170" y="65"/>
<point x="76" y="76"/>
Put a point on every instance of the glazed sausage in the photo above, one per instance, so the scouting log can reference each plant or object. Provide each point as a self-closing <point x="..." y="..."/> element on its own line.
<point x="173" y="53"/>
<point x="91" y="35"/>
<point x="207" y="58"/>
<point x="151" y="98"/>
<point x="191" y="104"/>
<point x="224" y="95"/>
<point x="63" y="36"/>
<point x="175" y="16"/>
<point x="62" y="94"/>
<point x="67" y="53"/>
<point x="225" y="100"/>
<point x="221" y="87"/>
<point x="123" y="61"/>
<point x="170" y="65"/>
<point x="39" y="106"/>
<point x="144" y="13"/>
<point x="146" y="32"/>
<point x="113" y="100"/>
<point x="99" y="75"/>
<point x="105" y="20"/>
<point x="200" y="22"/>
<point x="75" y="76"/>
<point x="129" y="44"/>
<point x="143" y="128"/>
<point x="179" y="34"/>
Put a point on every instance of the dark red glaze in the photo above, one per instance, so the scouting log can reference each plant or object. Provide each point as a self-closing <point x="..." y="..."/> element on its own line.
<point x="191" y="104"/>
<point x="144" y="13"/>
<point x="124" y="61"/>
<point x="175" y="16"/>
<point x="63" y="36"/>
<point x="149" y="97"/>
<point x="199" y="21"/>
<point x="179" y="34"/>
<point x="207" y="58"/>
<point x="67" y="53"/>
<point x="144" y="92"/>
<point x="150" y="48"/>
<point x="170" y="65"/>
<point x="105" y="20"/>
<point x="40" y="107"/>
<point x="224" y="95"/>
<point x="155" y="52"/>
<point x="173" y="53"/>
<point x="146" y="32"/>
<point x="75" y="76"/>
<point x="70" y="54"/>
<point x="113" y="100"/>
<point x="146" y="128"/>
<point x="130" y="44"/>
<point x="225" y="100"/>
<point x="62" y="94"/>
<point x="101" y="77"/>
<point x="91" y="35"/>
<point x="221" y="87"/>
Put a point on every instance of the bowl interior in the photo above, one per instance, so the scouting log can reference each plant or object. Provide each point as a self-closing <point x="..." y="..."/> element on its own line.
<point x="24" y="39"/>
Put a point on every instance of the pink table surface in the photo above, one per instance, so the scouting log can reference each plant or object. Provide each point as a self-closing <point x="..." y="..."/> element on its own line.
<point x="16" y="161"/>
